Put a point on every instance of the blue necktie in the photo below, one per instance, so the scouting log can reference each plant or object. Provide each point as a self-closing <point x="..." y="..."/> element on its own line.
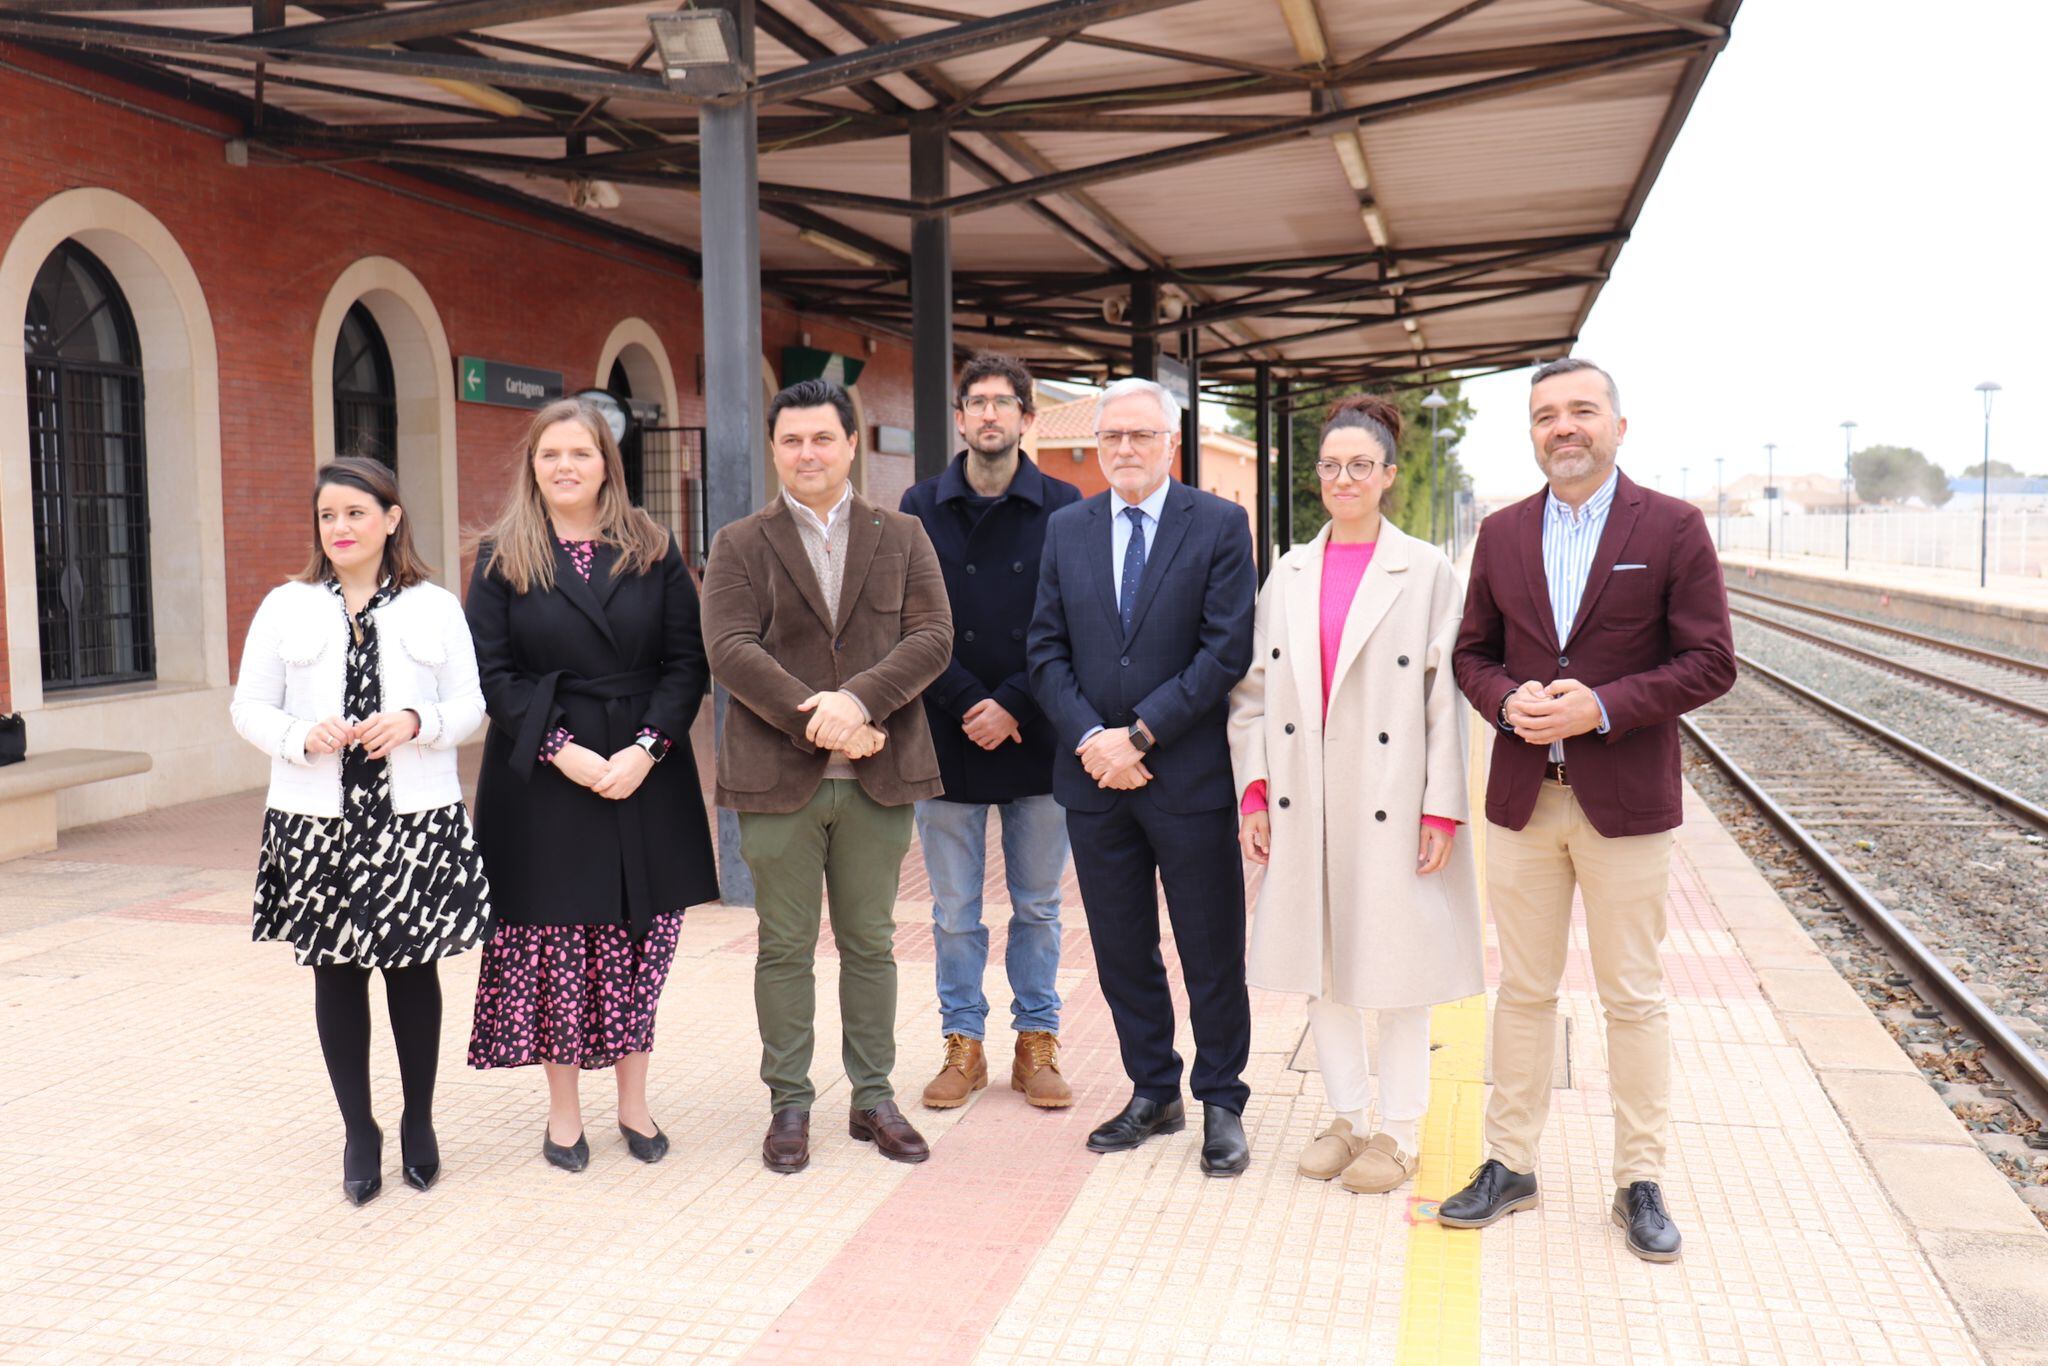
<point x="1134" y="566"/>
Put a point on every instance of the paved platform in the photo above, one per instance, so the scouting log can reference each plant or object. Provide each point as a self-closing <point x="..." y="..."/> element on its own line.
<point x="170" y="1150"/>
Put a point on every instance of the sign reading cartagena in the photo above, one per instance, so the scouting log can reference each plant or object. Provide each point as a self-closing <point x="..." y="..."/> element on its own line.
<point x="508" y="386"/>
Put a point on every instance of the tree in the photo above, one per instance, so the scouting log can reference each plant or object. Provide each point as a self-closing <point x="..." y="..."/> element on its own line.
<point x="1999" y="470"/>
<point x="1891" y="474"/>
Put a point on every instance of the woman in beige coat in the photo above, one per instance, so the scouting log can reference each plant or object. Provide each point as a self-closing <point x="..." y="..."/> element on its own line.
<point x="1348" y="742"/>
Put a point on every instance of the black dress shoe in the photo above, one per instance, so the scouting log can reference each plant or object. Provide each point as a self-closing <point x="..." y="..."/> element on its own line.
<point x="646" y="1149"/>
<point x="421" y="1157"/>
<point x="1224" y="1151"/>
<point x="362" y="1175"/>
<point x="573" y="1158"/>
<point x="1137" y="1122"/>
<point x="1640" y="1212"/>
<point x="1495" y="1193"/>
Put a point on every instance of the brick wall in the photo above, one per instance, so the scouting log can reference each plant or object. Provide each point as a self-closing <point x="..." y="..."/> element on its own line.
<point x="267" y="244"/>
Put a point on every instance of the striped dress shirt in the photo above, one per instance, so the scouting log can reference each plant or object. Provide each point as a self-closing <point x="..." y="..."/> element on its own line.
<point x="1570" y="539"/>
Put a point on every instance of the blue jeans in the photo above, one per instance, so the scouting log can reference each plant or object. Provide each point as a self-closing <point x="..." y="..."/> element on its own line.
<point x="955" y="840"/>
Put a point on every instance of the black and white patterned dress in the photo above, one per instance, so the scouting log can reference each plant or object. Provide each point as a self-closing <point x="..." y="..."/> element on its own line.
<point x="370" y="888"/>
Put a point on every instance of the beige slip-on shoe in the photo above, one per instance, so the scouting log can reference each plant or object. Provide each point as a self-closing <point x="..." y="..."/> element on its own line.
<point x="1331" y="1152"/>
<point x="1379" y="1167"/>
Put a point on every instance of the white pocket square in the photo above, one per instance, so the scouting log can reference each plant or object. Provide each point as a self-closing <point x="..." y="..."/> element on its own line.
<point x="1618" y="568"/>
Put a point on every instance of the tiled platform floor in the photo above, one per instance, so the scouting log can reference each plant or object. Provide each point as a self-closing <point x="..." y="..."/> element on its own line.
<point x="170" y="1155"/>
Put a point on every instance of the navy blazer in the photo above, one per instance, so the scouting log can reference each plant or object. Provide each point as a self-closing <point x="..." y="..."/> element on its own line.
<point x="991" y="569"/>
<point x="1190" y="642"/>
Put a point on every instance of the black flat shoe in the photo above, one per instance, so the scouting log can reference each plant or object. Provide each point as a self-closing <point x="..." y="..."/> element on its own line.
<point x="573" y="1158"/>
<point x="422" y="1160"/>
<point x="362" y="1175"/>
<point x="1640" y="1211"/>
<point x="1224" y="1150"/>
<point x="1495" y="1193"/>
<point x="1137" y="1122"/>
<point x="646" y="1149"/>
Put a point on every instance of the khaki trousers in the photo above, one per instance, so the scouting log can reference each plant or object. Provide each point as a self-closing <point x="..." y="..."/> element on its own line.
<point x="1530" y="875"/>
<point x="846" y="843"/>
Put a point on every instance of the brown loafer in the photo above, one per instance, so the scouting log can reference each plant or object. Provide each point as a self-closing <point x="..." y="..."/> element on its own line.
<point x="886" y="1128"/>
<point x="787" y="1148"/>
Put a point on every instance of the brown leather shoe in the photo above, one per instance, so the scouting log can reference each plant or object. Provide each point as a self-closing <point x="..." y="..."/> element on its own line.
<point x="1037" y="1071"/>
<point x="886" y="1128"/>
<point x="964" y="1072"/>
<point x="787" y="1148"/>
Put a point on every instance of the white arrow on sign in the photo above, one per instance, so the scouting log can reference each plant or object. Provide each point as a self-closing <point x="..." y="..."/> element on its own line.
<point x="475" y="379"/>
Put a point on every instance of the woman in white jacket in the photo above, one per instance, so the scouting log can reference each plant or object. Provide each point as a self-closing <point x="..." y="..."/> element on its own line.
<point x="358" y="680"/>
<point x="1347" y="739"/>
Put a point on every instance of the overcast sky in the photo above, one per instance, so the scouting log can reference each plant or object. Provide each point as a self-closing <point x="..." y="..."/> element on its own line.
<point x="1853" y="224"/>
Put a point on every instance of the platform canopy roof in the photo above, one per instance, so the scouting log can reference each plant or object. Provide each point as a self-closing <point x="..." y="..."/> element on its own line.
<point x="1345" y="190"/>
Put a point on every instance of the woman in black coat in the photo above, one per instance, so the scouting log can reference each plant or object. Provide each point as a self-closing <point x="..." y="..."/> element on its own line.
<point x="588" y="811"/>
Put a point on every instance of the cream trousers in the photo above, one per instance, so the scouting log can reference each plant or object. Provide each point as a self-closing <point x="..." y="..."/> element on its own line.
<point x="1530" y="876"/>
<point x="1403" y="1063"/>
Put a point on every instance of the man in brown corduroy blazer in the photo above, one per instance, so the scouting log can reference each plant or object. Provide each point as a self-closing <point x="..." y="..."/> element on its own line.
<point x="826" y="618"/>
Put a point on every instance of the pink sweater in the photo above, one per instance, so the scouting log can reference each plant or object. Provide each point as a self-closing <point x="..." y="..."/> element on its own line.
<point x="1344" y="566"/>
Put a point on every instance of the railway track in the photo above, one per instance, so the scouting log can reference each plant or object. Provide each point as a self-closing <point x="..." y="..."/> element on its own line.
<point x="1942" y="868"/>
<point x="2008" y="681"/>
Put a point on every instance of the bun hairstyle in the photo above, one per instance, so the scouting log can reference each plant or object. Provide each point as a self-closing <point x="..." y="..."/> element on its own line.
<point x="1368" y="413"/>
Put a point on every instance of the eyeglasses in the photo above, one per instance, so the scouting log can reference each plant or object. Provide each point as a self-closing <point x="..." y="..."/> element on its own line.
<point x="1359" y="470"/>
<point x="1140" y="440"/>
<point x="991" y="405"/>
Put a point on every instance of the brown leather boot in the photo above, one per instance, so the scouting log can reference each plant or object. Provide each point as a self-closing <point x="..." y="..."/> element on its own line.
<point x="1037" y="1071"/>
<point x="964" y="1072"/>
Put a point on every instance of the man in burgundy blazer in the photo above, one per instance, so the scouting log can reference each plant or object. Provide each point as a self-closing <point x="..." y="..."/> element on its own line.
<point x="1595" y="617"/>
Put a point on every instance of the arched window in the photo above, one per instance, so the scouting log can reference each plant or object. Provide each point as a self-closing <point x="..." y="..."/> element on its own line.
<point x="89" y="478"/>
<point x="365" y="395"/>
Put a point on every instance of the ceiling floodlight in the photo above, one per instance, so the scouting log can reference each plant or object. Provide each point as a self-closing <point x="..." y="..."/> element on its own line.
<point x="700" y="52"/>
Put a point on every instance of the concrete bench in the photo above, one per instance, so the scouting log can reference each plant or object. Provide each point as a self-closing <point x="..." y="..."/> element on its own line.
<point x="28" y="792"/>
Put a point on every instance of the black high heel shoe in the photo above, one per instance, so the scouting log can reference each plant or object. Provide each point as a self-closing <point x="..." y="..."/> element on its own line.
<point x="646" y="1149"/>
<point x="573" y="1158"/>
<point x="362" y="1178"/>
<point x="423" y="1172"/>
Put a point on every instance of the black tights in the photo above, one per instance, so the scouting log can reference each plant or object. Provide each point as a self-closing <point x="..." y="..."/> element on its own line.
<point x="341" y="1008"/>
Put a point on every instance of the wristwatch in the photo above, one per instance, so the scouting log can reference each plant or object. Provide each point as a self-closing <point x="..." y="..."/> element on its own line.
<point x="1139" y="740"/>
<point x="1502" y="715"/>
<point x="652" y="747"/>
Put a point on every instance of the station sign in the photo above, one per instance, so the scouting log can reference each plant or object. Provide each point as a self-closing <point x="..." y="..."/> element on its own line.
<point x="808" y="362"/>
<point x="506" y="385"/>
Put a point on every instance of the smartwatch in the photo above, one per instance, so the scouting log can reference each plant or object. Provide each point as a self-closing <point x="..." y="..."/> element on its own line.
<point x="651" y="746"/>
<point x="1141" y="741"/>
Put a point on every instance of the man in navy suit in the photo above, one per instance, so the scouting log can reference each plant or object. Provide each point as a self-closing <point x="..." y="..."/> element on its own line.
<point x="1143" y="625"/>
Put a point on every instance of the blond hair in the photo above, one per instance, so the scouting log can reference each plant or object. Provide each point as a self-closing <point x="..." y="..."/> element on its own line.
<point x="521" y="540"/>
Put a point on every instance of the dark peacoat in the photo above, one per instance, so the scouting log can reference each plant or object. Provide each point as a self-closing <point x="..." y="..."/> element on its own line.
<point x="991" y="567"/>
<point x="603" y="659"/>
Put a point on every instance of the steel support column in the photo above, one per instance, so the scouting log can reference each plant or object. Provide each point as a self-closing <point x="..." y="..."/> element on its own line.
<point x="1191" y="417"/>
<point x="1142" y="314"/>
<point x="735" y="443"/>
<point x="931" y="301"/>
<point x="1283" y="432"/>
<point x="1262" y="442"/>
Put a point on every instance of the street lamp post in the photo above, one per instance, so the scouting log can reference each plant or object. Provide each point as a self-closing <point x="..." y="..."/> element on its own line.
<point x="1848" y="486"/>
<point x="1770" y="498"/>
<point x="1683" y="470"/>
<point x="1436" y="403"/>
<point x="1987" y="388"/>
